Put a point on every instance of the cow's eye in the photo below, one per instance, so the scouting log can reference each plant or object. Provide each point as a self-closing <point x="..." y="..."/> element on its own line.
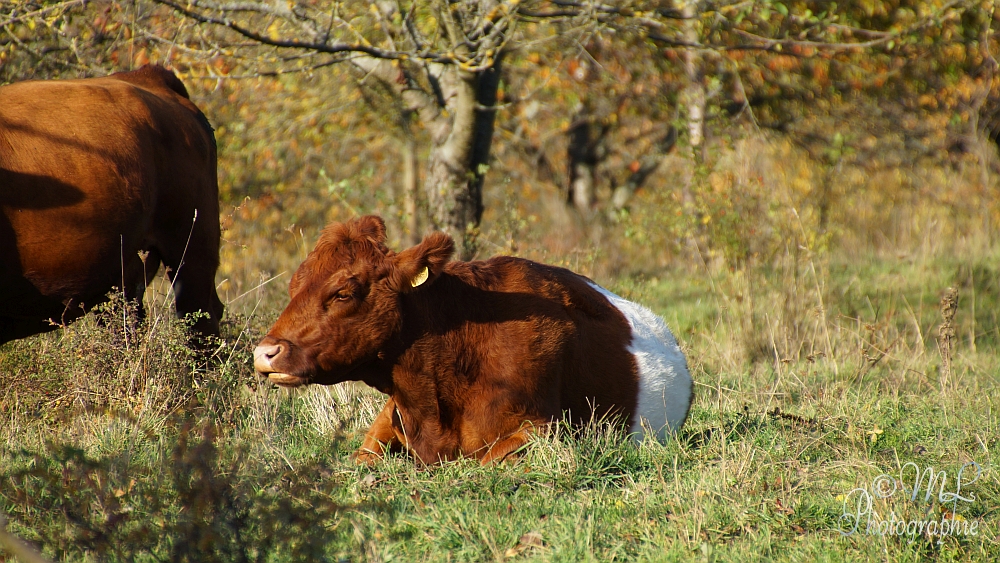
<point x="342" y="295"/>
<point x="348" y="292"/>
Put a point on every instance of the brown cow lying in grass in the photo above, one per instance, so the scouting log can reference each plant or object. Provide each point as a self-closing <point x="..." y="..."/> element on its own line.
<point x="100" y="182"/>
<point x="473" y="355"/>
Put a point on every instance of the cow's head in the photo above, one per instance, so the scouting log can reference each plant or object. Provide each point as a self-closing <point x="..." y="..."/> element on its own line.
<point x="345" y="303"/>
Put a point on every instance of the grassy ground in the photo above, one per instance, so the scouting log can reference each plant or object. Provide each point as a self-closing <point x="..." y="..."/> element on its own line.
<point x="814" y="376"/>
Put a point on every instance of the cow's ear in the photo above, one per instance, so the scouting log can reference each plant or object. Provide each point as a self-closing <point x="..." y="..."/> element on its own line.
<point x="373" y="227"/>
<point x="420" y="265"/>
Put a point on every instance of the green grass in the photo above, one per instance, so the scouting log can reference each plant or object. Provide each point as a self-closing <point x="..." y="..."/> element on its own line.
<point x="116" y="444"/>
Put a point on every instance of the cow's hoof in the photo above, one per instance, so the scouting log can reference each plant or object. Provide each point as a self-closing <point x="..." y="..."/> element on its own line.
<point x="366" y="457"/>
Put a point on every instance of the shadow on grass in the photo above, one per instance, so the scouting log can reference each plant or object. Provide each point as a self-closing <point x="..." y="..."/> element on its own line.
<point x="746" y="424"/>
<point x="198" y="501"/>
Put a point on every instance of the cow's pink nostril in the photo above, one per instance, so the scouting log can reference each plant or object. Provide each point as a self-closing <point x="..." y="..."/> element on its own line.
<point x="263" y="355"/>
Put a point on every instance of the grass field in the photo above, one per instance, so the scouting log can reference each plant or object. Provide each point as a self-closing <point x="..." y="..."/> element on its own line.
<point x="814" y="377"/>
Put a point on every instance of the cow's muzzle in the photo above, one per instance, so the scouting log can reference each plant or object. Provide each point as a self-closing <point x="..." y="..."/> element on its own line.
<point x="264" y="357"/>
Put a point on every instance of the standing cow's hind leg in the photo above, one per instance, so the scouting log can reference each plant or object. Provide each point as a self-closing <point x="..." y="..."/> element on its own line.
<point x="192" y="256"/>
<point x="138" y="277"/>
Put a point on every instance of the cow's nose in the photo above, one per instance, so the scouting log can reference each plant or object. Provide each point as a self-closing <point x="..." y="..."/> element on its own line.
<point x="264" y="355"/>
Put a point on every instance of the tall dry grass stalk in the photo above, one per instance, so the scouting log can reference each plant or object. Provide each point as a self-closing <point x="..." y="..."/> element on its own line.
<point x="946" y="334"/>
<point x="335" y="409"/>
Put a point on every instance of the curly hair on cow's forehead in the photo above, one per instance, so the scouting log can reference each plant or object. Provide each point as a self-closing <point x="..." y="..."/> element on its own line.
<point x="360" y="237"/>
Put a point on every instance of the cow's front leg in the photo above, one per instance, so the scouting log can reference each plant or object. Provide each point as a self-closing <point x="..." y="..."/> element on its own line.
<point x="381" y="437"/>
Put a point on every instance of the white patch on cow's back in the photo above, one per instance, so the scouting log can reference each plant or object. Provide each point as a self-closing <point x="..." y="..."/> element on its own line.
<point x="664" y="380"/>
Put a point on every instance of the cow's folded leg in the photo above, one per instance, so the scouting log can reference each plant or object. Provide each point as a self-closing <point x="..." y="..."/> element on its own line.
<point x="508" y="447"/>
<point x="380" y="438"/>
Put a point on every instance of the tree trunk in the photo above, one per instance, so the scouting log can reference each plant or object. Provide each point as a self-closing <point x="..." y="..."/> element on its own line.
<point x="457" y="111"/>
<point x="411" y="221"/>
<point x="582" y="155"/>
<point x="694" y="93"/>
<point x="459" y="158"/>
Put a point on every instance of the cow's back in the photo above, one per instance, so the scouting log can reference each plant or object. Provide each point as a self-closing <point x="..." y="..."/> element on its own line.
<point x="92" y="171"/>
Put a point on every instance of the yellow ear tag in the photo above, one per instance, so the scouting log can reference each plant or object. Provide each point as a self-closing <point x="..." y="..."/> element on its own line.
<point x="420" y="278"/>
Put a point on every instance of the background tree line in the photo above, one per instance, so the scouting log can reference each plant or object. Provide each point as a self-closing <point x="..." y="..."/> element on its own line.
<point x="432" y="99"/>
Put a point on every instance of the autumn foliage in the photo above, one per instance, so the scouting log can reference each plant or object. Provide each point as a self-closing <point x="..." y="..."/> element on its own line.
<point x="859" y="126"/>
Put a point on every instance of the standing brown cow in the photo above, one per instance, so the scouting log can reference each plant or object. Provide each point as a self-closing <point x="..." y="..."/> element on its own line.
<point x="473" y="355"/>
<point x="94" y="172"/>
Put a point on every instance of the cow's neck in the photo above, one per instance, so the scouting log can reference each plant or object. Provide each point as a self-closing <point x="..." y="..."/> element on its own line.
<point x="378" y="376"/>
<point x="430" y="356"/>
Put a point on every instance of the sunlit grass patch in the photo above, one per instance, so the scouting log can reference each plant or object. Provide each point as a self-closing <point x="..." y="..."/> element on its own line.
<point x="161" y="453"/>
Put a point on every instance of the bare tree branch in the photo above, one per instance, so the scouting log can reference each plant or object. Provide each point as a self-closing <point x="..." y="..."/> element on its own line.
<point x="474" y="46"/>
<point x="316" y="46"/>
